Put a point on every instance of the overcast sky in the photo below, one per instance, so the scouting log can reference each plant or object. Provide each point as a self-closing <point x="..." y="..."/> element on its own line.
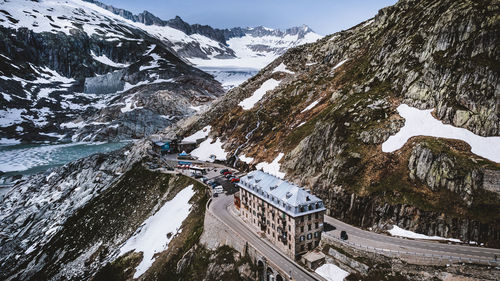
<point x="323" y="16"/>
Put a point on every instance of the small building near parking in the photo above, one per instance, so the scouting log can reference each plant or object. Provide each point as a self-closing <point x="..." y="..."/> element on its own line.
<point x="163" y="147"/>
<point x="288" y="215"/>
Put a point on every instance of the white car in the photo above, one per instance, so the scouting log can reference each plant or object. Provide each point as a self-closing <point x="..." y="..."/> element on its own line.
<point x="219" y="189"/>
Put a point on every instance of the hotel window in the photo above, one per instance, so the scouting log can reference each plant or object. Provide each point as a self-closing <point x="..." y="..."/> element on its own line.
<point x="301" y="219"/>
<point x="302" y="238"/>
<point x="317" y="215"/>
<point x="308" y="227"/>
<point x="309" y="217"/>
<point x="317" y="225"/>
<point x="301" y="248"/>
<point x="309" y="236"/>
<point x="302" y="229"/>
<point x="289" y="228"/>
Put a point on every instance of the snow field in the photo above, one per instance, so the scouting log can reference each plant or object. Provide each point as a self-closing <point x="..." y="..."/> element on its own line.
<point x="311" y="106"/>
<point x="207" y="148"/>
<point x="105" y="60"/>
<point x="272" y="168"/>
<point x="422" y="123"/>
<point x="151" y="238"/>
<point x="332" y="272"/>
<point x="246" y="159"/>
<point x="249" y="102"/>
<point x="397" y="231"/>
<point x="201" y="134"/>
<point x="282" y="68"/>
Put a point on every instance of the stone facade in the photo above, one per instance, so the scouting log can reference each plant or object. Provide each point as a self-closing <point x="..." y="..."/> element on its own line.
<point x="294" y="231"/>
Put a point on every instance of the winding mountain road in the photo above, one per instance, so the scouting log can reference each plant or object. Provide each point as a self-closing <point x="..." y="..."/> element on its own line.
<point x="407" y="247"/>
<point x="429" y="248"/>
<point x="220" y="208"/>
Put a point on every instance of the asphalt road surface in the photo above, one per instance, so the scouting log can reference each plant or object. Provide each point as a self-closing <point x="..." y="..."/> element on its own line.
<point x="219" y="207"/>
<point x="356" y="235"/>
<point x="367" y="238"/>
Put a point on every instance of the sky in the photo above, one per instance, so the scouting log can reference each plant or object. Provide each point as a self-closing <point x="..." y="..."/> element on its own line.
<point x="323" y="16"/>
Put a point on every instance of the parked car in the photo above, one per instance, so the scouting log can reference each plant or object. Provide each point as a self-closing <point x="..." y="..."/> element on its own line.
<point x="204" y="179"/>
<point x="219" y="189"/>
<point x="214" y="184"/>
<point x="343" y="235"/>
<point x="228" y="176"/>
<point x="223" y="171"/>
<point x="227" y="173"/>
<point x="153" y="166"/>
<point x="216" y="194"/>
<point x="234" y="180"/>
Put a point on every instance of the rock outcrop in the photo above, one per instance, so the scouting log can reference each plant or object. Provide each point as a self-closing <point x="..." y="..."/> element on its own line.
<point x="336" y="105"/>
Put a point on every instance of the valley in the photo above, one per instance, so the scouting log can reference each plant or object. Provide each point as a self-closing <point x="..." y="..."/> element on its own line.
<point x="139" y="148"/>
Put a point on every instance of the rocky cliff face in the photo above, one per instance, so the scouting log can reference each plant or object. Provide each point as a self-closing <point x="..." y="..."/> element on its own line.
<point x="336" y="104"/>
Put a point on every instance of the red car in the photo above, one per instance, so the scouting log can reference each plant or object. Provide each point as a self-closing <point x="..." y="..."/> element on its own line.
<point x="227" y="173"/>
<point x="235" y="180"/>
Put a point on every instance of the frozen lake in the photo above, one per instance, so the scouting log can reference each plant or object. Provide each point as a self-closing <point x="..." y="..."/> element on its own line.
<point x="33" y="158"/>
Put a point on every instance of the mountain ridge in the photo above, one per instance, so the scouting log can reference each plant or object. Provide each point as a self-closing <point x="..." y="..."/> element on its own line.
<point x="220" y="35"/>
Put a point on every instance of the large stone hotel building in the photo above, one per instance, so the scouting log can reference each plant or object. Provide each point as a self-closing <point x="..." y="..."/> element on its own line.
<point x="288" y="215"/>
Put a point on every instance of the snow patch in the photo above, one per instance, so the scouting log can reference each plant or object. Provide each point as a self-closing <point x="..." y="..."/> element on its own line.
<point x="272" y="168"/>
<point x="207" y="148"/>
<point x="249" y="102"/>
<point x="105" y="60"/>
<point x="151" y="238"/>
<point x="4" y="141"/>
<point x="282" y="68"/>
<point x="302" y="123"/>
<point x="11" y="116"/>
<point x="397" y="231"/>
<point x="368" y="23"/>
<point x="422" y="123"/>
<point x="332" y="272"/>
<point x="309" y="107"/>
<point x="7" y="97"/>
<point x="339" y="64"/>
<point x="245" y="159"/>
<point x="201" y="134"/>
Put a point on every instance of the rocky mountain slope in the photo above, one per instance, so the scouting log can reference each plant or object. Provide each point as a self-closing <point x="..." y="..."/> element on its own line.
<point x="323" y="114"/>
<point x="78" y="221"/>
<point x="76" y="70"/>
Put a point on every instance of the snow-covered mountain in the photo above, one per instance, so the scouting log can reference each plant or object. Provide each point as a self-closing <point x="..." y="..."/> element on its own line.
<point x="83" y="70"/>
<point x="250" y="47"/>
<point x="231" y="55"/>
<point x="73" y="69"/>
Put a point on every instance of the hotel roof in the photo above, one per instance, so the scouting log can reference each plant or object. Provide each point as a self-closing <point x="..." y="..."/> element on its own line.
<point x="284" y="195"/>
